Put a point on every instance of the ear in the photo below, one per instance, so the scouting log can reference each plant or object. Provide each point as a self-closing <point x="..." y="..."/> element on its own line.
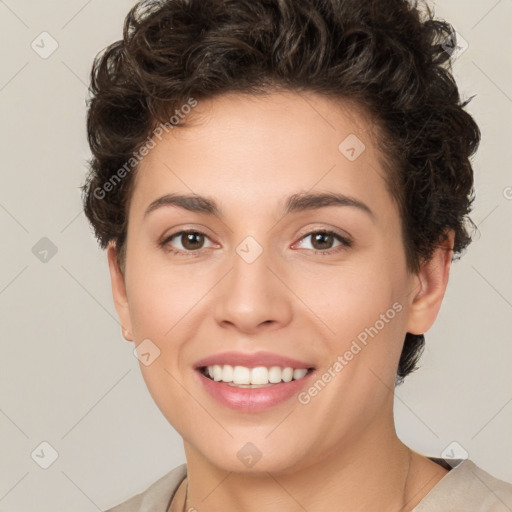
<point x="429" y="286"/>
<point x="119" y="292"/>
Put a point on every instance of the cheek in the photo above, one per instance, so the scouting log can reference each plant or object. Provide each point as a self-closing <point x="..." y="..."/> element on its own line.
<point x="162" y="299"/>
<point x="161" y="309"/>
<point x="350" y="297"/>
<point x="363" y="305"/>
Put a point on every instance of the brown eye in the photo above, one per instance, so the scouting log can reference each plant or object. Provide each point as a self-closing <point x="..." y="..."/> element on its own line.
<point x="185" y="242"/>
<point x="192" y="241"/>
<point x="322" y="240"/>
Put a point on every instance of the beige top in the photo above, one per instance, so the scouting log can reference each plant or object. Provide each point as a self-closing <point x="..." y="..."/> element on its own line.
<point x="465" y="487"/>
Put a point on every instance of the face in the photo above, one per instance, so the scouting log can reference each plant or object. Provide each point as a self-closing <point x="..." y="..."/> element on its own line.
<point x="270" y="274"/>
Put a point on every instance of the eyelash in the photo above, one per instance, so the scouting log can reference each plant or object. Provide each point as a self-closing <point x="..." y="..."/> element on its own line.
<point x="345" y="242"/>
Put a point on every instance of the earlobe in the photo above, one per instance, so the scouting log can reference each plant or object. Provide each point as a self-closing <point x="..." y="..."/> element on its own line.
<point x="429" y="286"/>
<point x="119" y="295"/>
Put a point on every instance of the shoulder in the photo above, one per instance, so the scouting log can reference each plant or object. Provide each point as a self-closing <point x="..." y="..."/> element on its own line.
<point x="467" y="487"/>
<point x="157" y="496"/>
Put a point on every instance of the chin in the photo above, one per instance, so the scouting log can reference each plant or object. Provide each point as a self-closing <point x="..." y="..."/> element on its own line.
<point x="258" y="457"/>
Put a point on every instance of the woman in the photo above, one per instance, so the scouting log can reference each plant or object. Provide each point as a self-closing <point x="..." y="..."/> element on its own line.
<point x="282" y="187"/>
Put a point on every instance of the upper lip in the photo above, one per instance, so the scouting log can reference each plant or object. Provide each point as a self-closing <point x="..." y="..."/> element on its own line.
<point x="251" y="360"/>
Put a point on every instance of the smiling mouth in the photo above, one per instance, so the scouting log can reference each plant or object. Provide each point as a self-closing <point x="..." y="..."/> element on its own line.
<point x="256" y="377"/>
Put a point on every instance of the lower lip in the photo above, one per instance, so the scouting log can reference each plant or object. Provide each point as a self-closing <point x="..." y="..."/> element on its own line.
<point x="253" y="399"/>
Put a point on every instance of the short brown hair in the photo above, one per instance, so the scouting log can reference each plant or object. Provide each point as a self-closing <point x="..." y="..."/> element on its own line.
<point x="388" y="57"/>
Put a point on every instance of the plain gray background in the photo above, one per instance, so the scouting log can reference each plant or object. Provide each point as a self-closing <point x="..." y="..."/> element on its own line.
<point x="68" y="378"/>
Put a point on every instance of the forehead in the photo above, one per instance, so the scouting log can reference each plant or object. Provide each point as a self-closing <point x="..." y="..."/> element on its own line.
<point x="253" y="151"/>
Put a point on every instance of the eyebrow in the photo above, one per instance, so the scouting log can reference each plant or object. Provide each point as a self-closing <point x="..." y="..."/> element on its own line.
<point x="294" y="203"/>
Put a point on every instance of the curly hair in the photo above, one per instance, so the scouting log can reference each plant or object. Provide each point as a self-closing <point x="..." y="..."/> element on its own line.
<point x="387" y="57"/>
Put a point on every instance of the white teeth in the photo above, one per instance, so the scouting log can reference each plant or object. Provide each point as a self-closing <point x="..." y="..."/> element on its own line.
<point x="227" y="373"/>
<point x="257" y="376"/>
<point x="274" y="374"/>
<point x="298" y="374"/>
<point x="241" y="375"/>
<point x="288" y="374"/>
<point x="217" y="372"/>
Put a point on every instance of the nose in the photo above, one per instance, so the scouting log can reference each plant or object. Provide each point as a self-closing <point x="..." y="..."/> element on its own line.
<point x="253" y="296"/>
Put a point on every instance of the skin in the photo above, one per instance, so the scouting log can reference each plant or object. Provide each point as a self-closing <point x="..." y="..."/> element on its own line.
<point x="340" y="451"/>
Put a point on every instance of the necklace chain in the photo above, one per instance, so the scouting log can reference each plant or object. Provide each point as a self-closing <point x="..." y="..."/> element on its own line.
<point x="185" y="505"/>
<point x="185" y="508"/>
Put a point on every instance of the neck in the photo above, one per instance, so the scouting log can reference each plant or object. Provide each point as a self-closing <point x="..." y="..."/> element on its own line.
<point x="376" y="472"/>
